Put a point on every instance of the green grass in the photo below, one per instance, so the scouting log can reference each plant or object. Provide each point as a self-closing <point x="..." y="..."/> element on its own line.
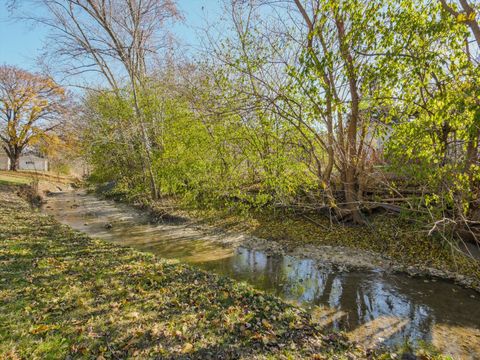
<point x="14" y="179"/>
<point x="63" y="294"/>
<point x="27" y="177"/>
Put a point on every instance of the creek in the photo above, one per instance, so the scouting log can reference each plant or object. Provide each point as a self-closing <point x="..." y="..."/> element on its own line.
<point x="373" y="307"/>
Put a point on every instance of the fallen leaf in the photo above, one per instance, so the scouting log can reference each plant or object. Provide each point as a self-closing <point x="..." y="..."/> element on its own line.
<point x="266" y="324"/>
<point x="187" y="348"/>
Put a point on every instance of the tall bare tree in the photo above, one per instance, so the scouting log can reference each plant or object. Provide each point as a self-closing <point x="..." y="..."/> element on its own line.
<point x="119" y="39"/>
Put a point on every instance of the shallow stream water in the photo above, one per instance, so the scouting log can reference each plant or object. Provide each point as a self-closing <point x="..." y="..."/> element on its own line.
<point x="374" y="307"/>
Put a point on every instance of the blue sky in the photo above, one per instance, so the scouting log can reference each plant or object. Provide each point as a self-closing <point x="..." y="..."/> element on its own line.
<point x="21" y="43"/>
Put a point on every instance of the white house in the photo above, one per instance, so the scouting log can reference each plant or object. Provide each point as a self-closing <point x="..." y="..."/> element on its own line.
<point x="4" y="161"/>
<point x="26" y="162"/>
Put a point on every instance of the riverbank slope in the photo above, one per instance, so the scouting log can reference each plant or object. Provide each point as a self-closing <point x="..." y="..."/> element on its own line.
<point x="388" y="242"/>
<point x="64" y="294"/>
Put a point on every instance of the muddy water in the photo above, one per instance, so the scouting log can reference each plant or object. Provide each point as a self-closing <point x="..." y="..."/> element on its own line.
<point x="375" y="308"/>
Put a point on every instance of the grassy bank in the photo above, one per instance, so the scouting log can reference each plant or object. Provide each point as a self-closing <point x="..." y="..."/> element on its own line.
<point x="7" y="178"/>
<point x="26" y="177"/>
<point x="64" y="295"/>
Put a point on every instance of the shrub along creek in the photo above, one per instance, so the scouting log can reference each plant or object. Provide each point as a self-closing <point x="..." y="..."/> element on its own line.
<point x="374" y="307"/>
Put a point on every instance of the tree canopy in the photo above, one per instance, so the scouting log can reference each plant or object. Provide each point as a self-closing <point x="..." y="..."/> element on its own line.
<point x="31" y="107"/>
<point x="338" y="106"/>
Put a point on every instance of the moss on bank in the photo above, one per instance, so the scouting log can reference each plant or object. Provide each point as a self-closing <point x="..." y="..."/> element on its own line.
<point x="65" y="295"/>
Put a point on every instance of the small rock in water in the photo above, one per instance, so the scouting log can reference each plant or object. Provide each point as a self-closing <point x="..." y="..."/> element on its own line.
<point x="108" y="226"/>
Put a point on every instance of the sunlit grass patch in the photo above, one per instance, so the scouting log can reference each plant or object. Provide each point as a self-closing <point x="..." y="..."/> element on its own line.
<point x="7" y="178"/>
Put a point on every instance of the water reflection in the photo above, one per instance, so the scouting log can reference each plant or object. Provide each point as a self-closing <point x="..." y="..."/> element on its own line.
<point x="374" y="307"/>
<point x="394" y="308"/>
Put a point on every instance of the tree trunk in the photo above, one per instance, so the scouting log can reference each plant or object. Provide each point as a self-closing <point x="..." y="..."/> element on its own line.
<point x="154" y="193"/>
<point x="13" y="152"/>
<point x="14" y="157"/>
<point x="468" y="9"/>
<point x="351" y="156"/>
<point x="471" y="159"/>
